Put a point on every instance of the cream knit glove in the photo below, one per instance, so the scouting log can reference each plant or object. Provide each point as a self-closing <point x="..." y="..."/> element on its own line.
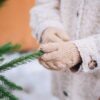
<point x="65" y="53"/>
<point x="54" y="35"/>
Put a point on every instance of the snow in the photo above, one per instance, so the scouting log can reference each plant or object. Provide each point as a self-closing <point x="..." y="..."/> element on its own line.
<point x="35" y="80"/>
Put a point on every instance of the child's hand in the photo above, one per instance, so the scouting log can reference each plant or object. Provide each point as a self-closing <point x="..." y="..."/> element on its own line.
<point x="51" y="35"/>
<point x="54" y="35"/>
<point x="65" y="53"/>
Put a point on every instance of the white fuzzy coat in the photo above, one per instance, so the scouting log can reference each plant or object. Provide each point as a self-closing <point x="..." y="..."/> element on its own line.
<point x="81" y="20"/>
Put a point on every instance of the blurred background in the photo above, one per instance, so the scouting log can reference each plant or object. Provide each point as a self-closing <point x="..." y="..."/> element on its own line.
<point x="14" y="28"/>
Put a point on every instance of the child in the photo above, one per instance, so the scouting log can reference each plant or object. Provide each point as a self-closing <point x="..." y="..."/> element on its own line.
<point x="69" y="31"/>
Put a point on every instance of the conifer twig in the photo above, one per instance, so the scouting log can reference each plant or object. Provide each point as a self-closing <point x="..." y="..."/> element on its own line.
<point x="5" y="85"/>
<point x="8" y="48"/>
<point x="20" y="61"/>
<point x="5" y="94"/>
<point x="8" y="84"/>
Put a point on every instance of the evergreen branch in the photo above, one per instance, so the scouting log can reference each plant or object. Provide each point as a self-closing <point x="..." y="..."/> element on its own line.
<point x="10" y="85"/>
<point x="5" y="94"/>
<point x="8" y="48"/>
<point x="20" y="60"/>
<point x="1" y="58"/>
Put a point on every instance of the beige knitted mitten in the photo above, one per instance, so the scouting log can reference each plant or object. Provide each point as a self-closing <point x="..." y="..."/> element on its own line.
<point x="51" y="35"/>
<point x="62" y="55"/>
<point x="54" y="35"/>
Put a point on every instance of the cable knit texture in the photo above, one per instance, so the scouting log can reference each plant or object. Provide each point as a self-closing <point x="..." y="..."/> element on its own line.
<point x="80" y="19"/>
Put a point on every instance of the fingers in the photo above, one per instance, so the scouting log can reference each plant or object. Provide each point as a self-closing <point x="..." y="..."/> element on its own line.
<point x="52" y="66"/>
<point x="43" y="63"/>
<point x="49" y="47"/>
<point x="52" y="38"/>
<point x="50" y="56"/>
<point x="54" y="35"/>
<point x="60" y="64"/>
<point x="63" y="36"/>
<point x="48" y="65"/>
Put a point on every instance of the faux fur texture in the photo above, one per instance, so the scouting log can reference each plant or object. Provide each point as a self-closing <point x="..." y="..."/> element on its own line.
<point x="81" y="20"/>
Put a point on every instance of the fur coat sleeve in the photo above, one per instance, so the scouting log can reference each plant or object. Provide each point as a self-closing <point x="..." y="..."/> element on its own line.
<point x="89" y="49"/>
<point x="44" y="15"/>
<point x="47" y="14"/>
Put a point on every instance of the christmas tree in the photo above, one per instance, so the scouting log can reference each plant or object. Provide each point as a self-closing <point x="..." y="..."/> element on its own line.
<point x="6" y="86"/>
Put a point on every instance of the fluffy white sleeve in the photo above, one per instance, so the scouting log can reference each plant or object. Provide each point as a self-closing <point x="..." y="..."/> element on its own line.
<point x="89" y="49"/>
<point x="45" y="14"/>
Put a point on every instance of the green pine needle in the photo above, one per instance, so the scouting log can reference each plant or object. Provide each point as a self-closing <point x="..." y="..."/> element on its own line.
<point x="8" y="84"/>
<point x="20" y="61"/>
<point x="5" y="85"/>
<point x="8" y="48"/>
<point x="6" y="95"/>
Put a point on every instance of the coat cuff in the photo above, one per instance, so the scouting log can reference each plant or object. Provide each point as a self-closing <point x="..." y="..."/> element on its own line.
<point x="89" y="54"/>
<point x="45" y="25"/>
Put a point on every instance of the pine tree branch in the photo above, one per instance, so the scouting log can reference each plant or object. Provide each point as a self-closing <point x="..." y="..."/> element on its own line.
<point x="8" y="48"/>
<point x="8" y="84"/>
<point x="20" y="61"/>
<point x="5" y="94"/>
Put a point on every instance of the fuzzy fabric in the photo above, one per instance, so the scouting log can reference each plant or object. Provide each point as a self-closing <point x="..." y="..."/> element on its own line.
<point x="80" y="19"/>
